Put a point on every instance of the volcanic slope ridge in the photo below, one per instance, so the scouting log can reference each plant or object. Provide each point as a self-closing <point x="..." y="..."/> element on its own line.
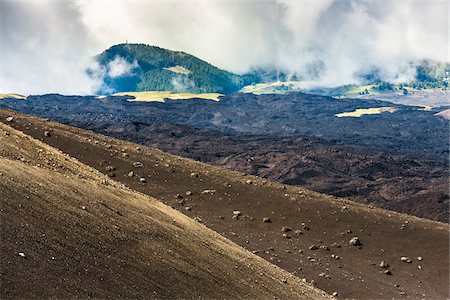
<point x="354" y="250"/>
<point x="67" y="231"/>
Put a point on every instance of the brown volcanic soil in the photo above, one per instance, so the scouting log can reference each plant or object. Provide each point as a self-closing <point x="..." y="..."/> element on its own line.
<point x="331" y="222"/>
<point x="405" y="183"/>
<point x="69" y="232"/>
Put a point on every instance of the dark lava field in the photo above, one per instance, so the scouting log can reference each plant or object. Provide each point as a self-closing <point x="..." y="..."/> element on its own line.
<point x="394" y="160"/>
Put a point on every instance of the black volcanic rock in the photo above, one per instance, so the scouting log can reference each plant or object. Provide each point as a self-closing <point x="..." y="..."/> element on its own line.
<point x="393" y="160"/>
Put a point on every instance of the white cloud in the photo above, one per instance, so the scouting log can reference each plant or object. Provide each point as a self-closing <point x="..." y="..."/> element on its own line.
<point x="182" y="84"/>
<point x="119" y="67"/>
<point x="45" y="46"/>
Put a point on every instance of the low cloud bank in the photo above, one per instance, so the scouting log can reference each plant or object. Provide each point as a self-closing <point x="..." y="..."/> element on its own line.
<point x="46" y="46"/>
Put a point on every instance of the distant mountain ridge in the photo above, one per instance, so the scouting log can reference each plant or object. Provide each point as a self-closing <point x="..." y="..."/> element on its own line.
<point x="140" y="67"/>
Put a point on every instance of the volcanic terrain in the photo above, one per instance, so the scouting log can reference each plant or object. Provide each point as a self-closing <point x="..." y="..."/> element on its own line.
<point x="354" y="250"/>
<point x="67" y="231"/>
<point x="397" y="160"/>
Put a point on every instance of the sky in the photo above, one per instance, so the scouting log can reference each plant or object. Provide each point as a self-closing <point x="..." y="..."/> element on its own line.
<point x="46" y="46"/>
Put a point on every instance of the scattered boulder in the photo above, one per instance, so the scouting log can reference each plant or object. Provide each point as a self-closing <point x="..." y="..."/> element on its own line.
<point x="286" y="229"/>
<point x="406" y="259"/>
<point x="195" y="174"/>
<point x="384" y="265"/>
<point x="287" y="236"/>
<point x="313" y="247"/>
<point x="249" y="181"/>
<point x="21" y="254"/>
<point x="130" y="174"/>
<point x="337" y="257"/>
<point x="388" y="272"/>
<point x="142" y="180"/>
<point x="208" y="192"/>
<point x="419" y="258"/>
<point x="325" y="275"/>
<point x="236" y="214"/>
<point x="47" y="133"/>
<point x="9" y="119"/>
<point x="198" y="219"/>
<point x="335" y="294"/>
<point x="355" y="241"/>
<point x="267" y="220"/>
<point x="138" y="164"/>
<point x="189" y="193"/>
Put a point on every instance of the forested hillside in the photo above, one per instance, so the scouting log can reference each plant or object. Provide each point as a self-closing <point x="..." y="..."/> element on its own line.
<point x="140" y="67"/>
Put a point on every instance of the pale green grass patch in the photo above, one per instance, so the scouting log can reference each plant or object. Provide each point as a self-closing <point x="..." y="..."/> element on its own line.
<point x="355" y="90"/>
<point x="179" y="70"/>
<point x="156" y="96"/>
<point x="15" y="96"/>
<point x="272" y="87"/>
<point x="366" y="111"/>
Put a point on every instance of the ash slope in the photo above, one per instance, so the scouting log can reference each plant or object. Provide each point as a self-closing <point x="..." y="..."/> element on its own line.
<point x="405" y="183"/>
<point x="318" y="246"/>
<point x="69" y="232"/>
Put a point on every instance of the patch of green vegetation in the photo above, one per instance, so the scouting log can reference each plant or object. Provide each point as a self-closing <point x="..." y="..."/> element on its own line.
<point x="160" y="96"/>
<point x="179" y="69"/>
<point x="15" y="96"/>
<point x="156" y="69"/>
<point x="278" y="87"/>
<point x="366" y="111"/>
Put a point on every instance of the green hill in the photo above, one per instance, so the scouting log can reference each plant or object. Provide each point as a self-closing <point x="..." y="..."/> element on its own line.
<point x="140" y="67"/>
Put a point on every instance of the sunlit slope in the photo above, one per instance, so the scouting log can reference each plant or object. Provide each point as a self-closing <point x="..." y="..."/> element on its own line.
<point x="69" y="232"/>
<point x="15" y="96"/>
